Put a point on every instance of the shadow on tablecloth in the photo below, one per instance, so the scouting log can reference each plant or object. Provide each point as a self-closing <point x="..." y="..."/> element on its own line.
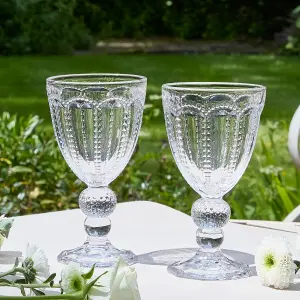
<point x="170" y="256"/>
<point x="295" y="286"/>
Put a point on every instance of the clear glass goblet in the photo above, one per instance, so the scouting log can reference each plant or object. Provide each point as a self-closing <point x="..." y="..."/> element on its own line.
<point x="96" y="120"/>
<point x="212" y="128"/>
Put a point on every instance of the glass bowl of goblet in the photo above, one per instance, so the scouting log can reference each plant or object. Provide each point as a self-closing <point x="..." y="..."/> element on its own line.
<point x="212" y="129"/>
<point x="96" y="120"/>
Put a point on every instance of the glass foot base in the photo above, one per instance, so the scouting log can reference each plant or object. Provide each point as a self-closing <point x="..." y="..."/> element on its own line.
<point x="100" y="256"/>
<point x="210" y="266"/>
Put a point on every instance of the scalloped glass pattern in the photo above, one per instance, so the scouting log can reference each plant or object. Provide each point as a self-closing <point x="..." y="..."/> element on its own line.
<point x="212" y="136"/>
<point x="96" y="120"/>
<point x="96" y="127"/>
<point x="212" y="128"/>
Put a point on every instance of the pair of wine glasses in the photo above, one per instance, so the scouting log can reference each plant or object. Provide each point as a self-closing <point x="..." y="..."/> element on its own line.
<point x="212" y="128"/>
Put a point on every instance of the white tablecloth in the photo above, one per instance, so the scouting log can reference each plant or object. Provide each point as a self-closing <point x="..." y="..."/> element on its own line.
<point x="144" y="227"/>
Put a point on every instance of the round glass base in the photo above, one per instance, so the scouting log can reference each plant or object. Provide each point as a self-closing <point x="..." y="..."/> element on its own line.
<point x="100" y="256"/>
<point x="210" y="266"/>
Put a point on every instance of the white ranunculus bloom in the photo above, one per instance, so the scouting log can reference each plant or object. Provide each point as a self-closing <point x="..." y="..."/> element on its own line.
<point x="274" y="262"/>
<point x="119" y="283"/>
<point x="35" y="264"/>
<point x="71" y="279"/>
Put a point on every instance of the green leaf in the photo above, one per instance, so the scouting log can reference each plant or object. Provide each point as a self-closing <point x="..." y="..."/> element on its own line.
<point x="296" y="10"/>
<point x="34" y="121"/>
<point x="7" y="161"/>
<point x="5" y="226"/>
<point x="16" y="262"/>
<point x="47" y="202"/>
<point x="40" y="182"/>
<point x="91" y="284"/>
<point x="298" y="23"/>
<point x="288" y="204"/>
<point x="89" y="274"/>
<point x="20" y="169"/>
<point x="38" y="292"/>
<point x="22" y="290"/>
<point x="50" y="278"/>
<point x="2" y="280"/>
<point x="295" y="197"/>
<point x="297" y="263"/>
<point x="156" y="112"/>
<point x="267" y="153"/>
<point x="147" y="106"/>
<point x="20" y="281"/>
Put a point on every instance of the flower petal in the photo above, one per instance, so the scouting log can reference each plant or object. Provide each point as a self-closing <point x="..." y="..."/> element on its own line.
<point x="279" y="273"/>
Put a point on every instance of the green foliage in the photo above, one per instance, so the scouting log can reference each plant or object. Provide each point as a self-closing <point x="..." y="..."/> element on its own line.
<point x="12" y="41"/>
<point x="60" y="26"/>
<point x="22" y="88"/>
<point x="293" y="44"/>
<point x="5" y="226"/>
<point x="58" y="31"/>
<point x="35" y="178"/>
<point x="188" y="19"/>
<point x="41" y="26"/>
<point x="32" y="172"/>
<point x="270" y="187"/>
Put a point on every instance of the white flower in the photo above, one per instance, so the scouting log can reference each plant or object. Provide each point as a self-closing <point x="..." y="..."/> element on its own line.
<point x="169" y="3"/>
<point x="71" y="279"/>
<point x="121" y="284"/>
<point x="274" y="263"/>
<point x="35" y="264"/>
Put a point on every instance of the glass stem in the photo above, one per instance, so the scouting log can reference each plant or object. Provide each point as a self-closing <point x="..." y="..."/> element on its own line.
<point x="101" y="241"/>
<point x="97" y="230"/>
<point x="210" y="215"/>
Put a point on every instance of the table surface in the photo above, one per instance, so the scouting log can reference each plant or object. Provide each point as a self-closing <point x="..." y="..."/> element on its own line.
<point x="152" y="230"/>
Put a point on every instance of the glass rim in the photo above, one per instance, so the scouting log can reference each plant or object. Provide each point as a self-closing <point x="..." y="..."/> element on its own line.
<point x="213" y="87"/>
<point x="63" y="79"/>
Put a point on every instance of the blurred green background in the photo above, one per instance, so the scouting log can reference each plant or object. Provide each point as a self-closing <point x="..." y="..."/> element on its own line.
<point x="40" y="38"/>
<point x="23" y="90"/>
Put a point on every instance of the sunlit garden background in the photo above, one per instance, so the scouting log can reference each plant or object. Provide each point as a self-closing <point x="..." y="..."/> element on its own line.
<point x="40" y="38"/>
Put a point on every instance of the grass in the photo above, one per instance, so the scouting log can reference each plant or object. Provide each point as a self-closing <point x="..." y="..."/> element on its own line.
<point x="262" y="193"/>
<point x="22" y="79"/>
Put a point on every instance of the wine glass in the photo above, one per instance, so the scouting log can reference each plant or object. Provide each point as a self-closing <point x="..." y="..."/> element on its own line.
<point x="212" y="129"/>
<point x="96" y="120"/>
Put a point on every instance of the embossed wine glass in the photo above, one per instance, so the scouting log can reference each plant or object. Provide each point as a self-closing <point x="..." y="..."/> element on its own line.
<point x="96" y="120"/>
<point x="212" y="128"/>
